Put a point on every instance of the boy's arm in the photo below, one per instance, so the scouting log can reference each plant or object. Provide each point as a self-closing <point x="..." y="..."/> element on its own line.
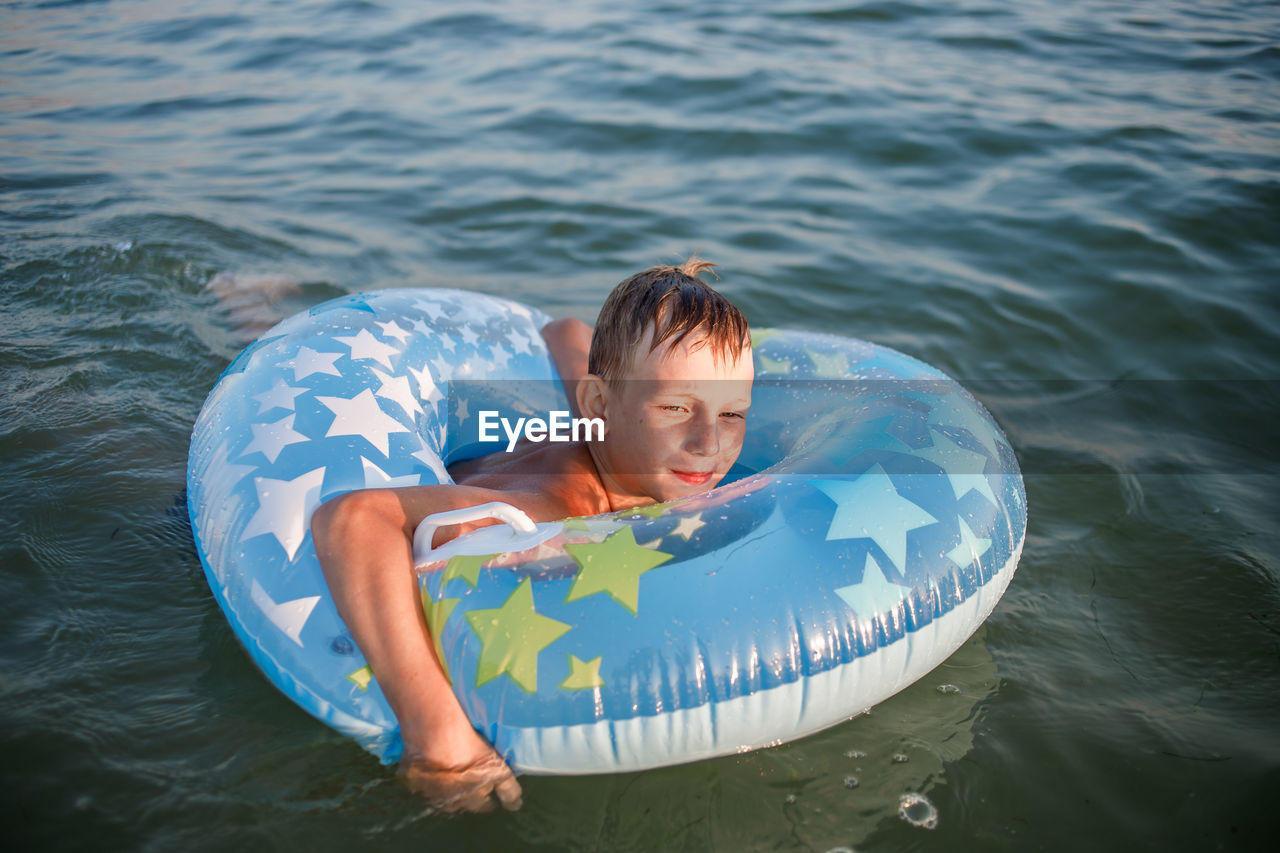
<point x="569" y="341"/>
<point x="365" y="544"/>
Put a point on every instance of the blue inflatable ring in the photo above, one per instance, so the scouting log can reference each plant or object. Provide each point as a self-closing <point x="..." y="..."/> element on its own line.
<point x="876" y="516"/>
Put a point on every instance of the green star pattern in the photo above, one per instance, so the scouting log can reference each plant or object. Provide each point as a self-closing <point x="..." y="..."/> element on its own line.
<point x="829" y="363"/>
<point x="583" y="675"/>
<point x="648" y="511"/>
<point x="361" y="677"/>
<point x="759" y="336"/>
<point x="594" y="526"/>
<point x="613" y="566"/>
<point x="511" y="637"/>
<point x="774" y="365"/>
<point x="467" y="567"/>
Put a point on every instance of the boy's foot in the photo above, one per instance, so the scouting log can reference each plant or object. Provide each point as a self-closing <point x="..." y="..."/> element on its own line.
<point x="475" y="787"/>
<point x="251" y="299"/>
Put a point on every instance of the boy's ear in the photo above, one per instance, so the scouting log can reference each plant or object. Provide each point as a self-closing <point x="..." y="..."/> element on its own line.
<point x="593" y="397"/>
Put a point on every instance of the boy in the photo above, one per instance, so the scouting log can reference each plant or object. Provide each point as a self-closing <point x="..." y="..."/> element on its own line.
<point x="669" y="432"/>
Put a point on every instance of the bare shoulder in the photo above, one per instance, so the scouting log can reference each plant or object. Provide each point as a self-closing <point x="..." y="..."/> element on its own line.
<point x="555" y="480"/>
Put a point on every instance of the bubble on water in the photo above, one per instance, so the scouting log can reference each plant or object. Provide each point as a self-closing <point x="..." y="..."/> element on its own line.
<point x="916" y="810"/>
<point x="124" y="246"/>
<point x="945" y="689"/>
<point x="900" y="758"/>
<point x="791" y="798"/>
<point x="851" y="782"/>
<point x="842" y="850"/>
<point x="855" y="753"/>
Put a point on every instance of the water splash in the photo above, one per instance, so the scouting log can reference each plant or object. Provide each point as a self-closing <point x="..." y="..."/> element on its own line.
<point x="916" y="810"/>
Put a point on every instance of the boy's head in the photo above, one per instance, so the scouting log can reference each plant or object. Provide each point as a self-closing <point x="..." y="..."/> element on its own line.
<point x="677" y="305"/>
<point x="670" y="373"/>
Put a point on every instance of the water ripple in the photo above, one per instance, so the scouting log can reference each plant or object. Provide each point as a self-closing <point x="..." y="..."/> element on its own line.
<point x="1070" y="206"/>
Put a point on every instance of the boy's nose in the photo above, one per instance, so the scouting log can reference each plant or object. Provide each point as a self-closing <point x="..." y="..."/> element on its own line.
<point x="704" y="438"/>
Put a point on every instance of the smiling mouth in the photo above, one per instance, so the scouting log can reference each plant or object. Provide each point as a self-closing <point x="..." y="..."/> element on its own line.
<point x="694" y="478"/>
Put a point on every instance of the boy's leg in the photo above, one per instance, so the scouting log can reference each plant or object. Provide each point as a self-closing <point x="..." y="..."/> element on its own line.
<point x="252" y="300"/>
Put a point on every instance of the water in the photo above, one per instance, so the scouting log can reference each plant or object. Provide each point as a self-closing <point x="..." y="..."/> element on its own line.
<point x="1071" y="207"/>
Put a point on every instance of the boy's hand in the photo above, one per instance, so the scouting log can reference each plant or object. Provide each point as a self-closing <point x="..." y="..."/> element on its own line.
<point x="477" y="787"/>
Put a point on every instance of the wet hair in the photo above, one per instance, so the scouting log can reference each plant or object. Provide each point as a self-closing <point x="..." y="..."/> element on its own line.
<point x="677" y="304"/>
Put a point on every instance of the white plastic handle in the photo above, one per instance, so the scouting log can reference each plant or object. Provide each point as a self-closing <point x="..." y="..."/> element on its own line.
<point x="520" y="523"/>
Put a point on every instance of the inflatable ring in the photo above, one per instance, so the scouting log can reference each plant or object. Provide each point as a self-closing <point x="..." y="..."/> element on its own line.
<point x="875" y="517"/>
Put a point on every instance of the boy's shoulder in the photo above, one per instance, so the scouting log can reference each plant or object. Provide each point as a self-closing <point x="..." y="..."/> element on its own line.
<point x="562" y="475"/>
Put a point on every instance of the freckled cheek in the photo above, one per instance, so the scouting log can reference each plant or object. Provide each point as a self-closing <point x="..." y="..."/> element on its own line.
<point x="731" y="441"/>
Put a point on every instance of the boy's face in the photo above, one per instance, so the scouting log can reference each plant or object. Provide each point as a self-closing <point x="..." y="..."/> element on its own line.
<point x="675" y="423"/>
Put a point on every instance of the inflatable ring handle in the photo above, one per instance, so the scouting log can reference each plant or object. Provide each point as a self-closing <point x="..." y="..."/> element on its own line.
<point x="520" y="523"/>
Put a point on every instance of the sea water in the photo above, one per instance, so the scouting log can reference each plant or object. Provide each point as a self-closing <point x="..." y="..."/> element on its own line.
<point x="1074" y="208"/>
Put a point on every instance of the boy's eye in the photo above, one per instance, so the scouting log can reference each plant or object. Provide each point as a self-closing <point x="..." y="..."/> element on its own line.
<point x="672" y="408"/>
<point x="733" y="414"/>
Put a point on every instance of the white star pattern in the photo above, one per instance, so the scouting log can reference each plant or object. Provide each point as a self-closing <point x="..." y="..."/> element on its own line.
<point x="290" y="617"/>
<point x="688" y="526"/>
<point x="871" y="507"/>
<point x="228" y="386"/>
<point x="427" y="389"/>
<point x="272" y="438"/>
<point x="219" y="499"/>
<point x="361" y="415"/>
<point x="281" y="396"/>
<point x="520" y="343"/>
<point x="376" y="478"/>
<point x="952" y="457"/>
<point x="432" y="461"/>
<point x="365" y="346"/>
<point x="391" y="329"/>
<point x="874" y="594"/>
<point x="501" y="358"/>
<point x="517" y="308"/>
<point x="961" y="414"/>
<point x="473" y="309"/>
<point x="431" y="309"/>
<point x="970" y="547"/>
<point x="308" y="361"/>
<point x="284" y="509"/>
<point x="221" y="476"/>
<point x="469" y="335"/>
<point x="396" y="389"/>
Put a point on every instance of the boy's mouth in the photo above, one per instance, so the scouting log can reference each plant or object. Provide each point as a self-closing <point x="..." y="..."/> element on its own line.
<point x="694" y="478"/>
